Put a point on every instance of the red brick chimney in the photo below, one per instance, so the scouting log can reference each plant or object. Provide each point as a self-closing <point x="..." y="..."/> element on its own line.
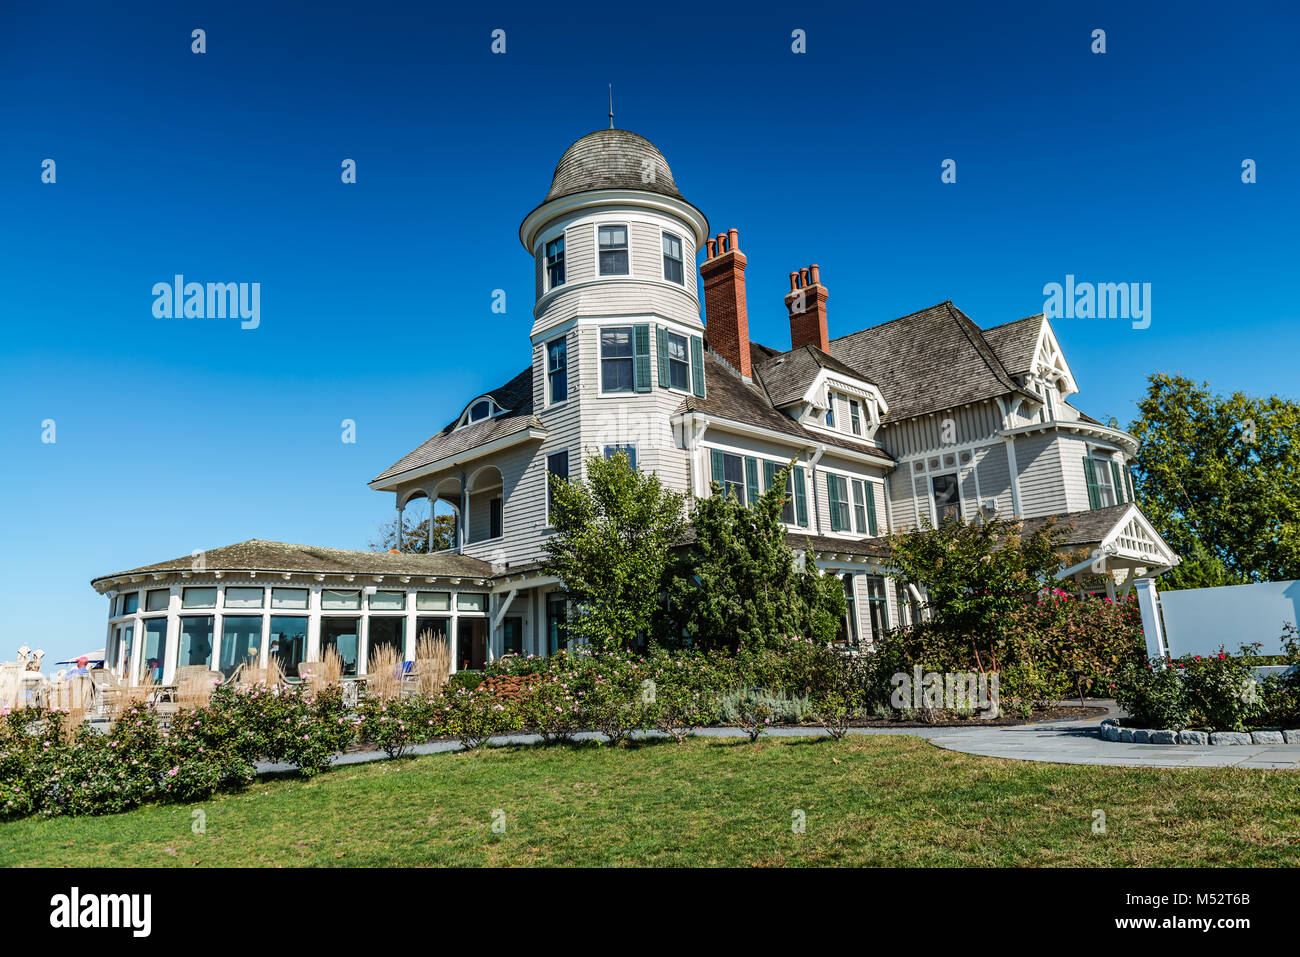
<point x="806" y="301"/>
<point x="726" y="320"/>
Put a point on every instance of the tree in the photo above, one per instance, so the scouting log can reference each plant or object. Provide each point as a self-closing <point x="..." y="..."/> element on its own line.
<point x="610" y="550"/>
<point x="1220" y="477"/>
<point x="415" y="534"/>
<point x="737" y="583"/>
<point x="975" y="574"/>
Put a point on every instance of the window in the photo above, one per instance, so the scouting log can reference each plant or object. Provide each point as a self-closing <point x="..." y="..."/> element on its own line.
<point x="673" y="259"/>
<point x="388" y="601"/>
<point x="770" y="472"/>
<point x="908" y="608"/>
<point x="155" y="648"/>
<point x="196" y="640"/>
<point x="293" y="598"/>
<point x="157" y="600"/>
<point x="288" y="642"/>
<point x="244" y="597"/>
<point x="855" y="416"/>
<point x="1101" y="481"/>
<point x="947" y="503"/>
<point x="728" y="473"/>
<point x="387" y="632"/>
<point x="130" y="603"/>
<point x="555" y="263"/>
<point x="877" y="607"/>
<point x="342" y="635"/>
<point x="433" y="601"/>
<point x="849" y="626"/>
<point x="613" y="250"/>
<point x="471" y="601"/>
<point x="333" y="599"/>
<point x="494" y="518"/>
<point x="557" y="369"/>
<point x="628" y="450"/>
<point x="480" y="410"/>
<point x="557" y="636"/>
<point x="199" y="598"/>
<point x="616" y="360"/>
<point x="859" y="507"/>
<point x="679" y="363"/>
<point x="557" y="467"/>
<point x="838" y="499"/>
<point x="241" y="642"/>
<point x="512" y="636"/>
<point x="830" y="410"/>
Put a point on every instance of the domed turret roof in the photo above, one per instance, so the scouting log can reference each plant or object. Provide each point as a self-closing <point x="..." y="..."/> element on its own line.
<point x="612" y="159"/>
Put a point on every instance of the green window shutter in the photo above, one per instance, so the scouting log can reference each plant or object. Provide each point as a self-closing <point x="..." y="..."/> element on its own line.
<point x="752" y="491"/>
<point x="641" y="357"/>
<point x="719" y="469"/>
<point x="800" y="498"/>
<point x="1114" y="475"/>
<point x="769" y="475"/>
<point x="662" y="334"/>
<point x="872" y="528"/>
<point x="833" y="499"/>
<point x="1128" y="480"/>
<point x="1090" y="475"/>
<point x="697" y="365"/>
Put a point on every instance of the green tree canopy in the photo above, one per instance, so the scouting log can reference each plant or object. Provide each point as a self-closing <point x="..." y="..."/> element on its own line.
<point x="415" y="534"/>
<point x="738" y="585"/>
<point x="1220" y="477"/>
<point x="613" y="535"/>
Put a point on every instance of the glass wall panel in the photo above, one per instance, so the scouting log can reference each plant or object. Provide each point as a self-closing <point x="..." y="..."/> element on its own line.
<point x="470" y="601"/>
<point x="388" y="632"/>
<point x="199" y="597"/>
<point x="343" y="635"/>
<point x="244" y="597"/>
<point x="240" y="634"/>
<point x="288" y="642"/>
<point x="334" y="599"/>
<point x="155" y="648"/>
<point x="130" y="603"/>
<point x="157" y="599"/>
<point x="196" y="640"/>
<point x="433" y="601"/>
<point x="294" y="598"/>
<point x="388" y="601"/>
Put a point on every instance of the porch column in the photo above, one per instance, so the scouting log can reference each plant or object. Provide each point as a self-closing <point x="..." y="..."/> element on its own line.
<point x="399" y="526"/>
<point x="1152" y="627"/>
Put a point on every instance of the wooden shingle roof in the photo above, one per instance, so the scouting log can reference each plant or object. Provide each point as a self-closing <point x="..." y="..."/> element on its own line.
<point x="516" y="396"/>
<point x="257" y="555"/>
<point x="1015" y="343"/>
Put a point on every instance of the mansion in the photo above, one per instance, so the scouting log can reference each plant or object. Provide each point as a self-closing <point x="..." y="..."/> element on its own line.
<point x="923" y="419"/>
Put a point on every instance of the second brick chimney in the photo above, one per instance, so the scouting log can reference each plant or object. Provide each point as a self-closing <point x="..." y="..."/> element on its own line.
<point x="726" y="319"/>
<point x="806" y="302"/>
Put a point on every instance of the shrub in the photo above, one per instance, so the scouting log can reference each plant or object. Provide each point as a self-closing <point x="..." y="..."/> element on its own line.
<point x="475" y="716"/>
<point x="548" y="706"/>
<point x="778" y="707"/>
<point x="1216" y="693"/>
<point x="466" y="680"/>
<point x="396" y="725"/>
<point x="751" y="708"/>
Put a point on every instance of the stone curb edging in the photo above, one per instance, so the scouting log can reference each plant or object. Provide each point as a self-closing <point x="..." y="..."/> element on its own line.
<point x="1111" y="731"/>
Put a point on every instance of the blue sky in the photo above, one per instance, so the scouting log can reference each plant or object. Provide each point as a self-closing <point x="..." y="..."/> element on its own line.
<point x="173" y="435"/>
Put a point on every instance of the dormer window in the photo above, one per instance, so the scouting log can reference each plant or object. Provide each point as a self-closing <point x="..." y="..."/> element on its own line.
<point x="612" y="241"/>
<point x="478" y="411"/>
<point x="555" y="263"/>
<point x="830" y="411"/>
<point x="855" y="414"/>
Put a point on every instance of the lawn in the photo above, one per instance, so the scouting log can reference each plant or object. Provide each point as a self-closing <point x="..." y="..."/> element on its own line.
<point x="867" y="800"/>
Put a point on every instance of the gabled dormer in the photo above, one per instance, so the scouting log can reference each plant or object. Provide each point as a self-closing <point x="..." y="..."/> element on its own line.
<point x="823" y="394"/>
<point x="1029" y="351"/>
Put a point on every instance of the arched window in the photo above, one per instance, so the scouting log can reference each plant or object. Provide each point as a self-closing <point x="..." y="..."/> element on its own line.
<point x="481" y="410"/>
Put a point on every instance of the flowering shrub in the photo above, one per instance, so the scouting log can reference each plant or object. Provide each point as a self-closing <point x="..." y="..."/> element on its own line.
<point x="395" y="725"/>
<point x="475" y="716"/>
<point x="1216" y="692"/>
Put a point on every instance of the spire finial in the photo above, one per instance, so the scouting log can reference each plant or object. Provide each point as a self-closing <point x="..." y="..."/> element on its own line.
<point x="611" y="106"/>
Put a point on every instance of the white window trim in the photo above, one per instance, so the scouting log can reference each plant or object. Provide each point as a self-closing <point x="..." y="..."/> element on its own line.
<point x="627" y="232"/>
<point x="682" y="241"/>
<point x="546" y="272"/>
<point x="546" y="368"/>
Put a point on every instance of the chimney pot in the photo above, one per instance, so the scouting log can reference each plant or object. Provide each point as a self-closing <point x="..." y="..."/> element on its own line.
<point x="733" y="238"/>
<point x="712" y="245"/>
<point x="815" y="272"/>
<point x="803" y="278"/>
<point x="794" y="281"/>
<point x="806" y="304"/>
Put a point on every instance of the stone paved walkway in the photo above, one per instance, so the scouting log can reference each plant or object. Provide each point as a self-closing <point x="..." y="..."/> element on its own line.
<point x="1057" y="742"/>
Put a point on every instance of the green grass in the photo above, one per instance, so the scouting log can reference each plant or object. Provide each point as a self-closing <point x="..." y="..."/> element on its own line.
<point x="869" y="800"/>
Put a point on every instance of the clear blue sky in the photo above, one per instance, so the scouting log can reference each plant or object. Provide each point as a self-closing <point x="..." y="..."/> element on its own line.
<point x="181" y="434"/>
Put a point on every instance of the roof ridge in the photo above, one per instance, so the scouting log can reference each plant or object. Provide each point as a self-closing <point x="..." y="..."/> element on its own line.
<point x="881" y="325"/>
